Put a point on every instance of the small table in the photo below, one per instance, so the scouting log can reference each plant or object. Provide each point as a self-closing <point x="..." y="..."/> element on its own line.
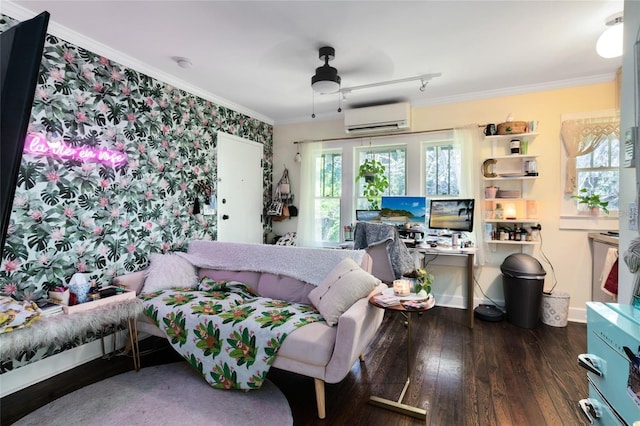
<point x="398" y="406"/>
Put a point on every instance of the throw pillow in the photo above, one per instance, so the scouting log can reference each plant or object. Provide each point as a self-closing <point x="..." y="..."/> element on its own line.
<point x="168" y="271"/>
<point x="288" y="239"/>
<point x="342" y="287"/>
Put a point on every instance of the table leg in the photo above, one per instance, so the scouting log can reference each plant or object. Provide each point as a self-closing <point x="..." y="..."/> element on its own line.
<point x="398" y="406"/>
<point x="470" y="287"/>
<point x="135" y="344"/>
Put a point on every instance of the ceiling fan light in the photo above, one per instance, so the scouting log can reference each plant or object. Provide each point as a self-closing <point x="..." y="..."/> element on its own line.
<point x="326" y="80"/>
<point x="609" y="44"/>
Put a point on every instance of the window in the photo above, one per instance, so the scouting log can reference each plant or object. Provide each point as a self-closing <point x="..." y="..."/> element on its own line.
<point x="598" y="172"/>
<point x="328" y="190"/>
<point x="394" y="160"/>
<point x="442" y="169"/>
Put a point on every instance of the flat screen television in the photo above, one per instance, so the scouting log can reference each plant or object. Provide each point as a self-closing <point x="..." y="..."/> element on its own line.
<point x="368" y="215"/>
<point x="452" y="215"/>
<point x="21" y="49"/>
<point x="403" y="209"/>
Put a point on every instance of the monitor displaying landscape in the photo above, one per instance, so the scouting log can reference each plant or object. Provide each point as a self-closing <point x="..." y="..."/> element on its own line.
<point x="403" y="209"/>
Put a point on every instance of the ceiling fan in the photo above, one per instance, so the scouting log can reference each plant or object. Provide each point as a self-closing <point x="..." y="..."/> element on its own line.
<point x="326" y="79"/>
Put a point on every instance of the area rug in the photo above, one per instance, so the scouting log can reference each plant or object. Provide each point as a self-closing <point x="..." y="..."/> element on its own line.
<point x="170" y="394"/>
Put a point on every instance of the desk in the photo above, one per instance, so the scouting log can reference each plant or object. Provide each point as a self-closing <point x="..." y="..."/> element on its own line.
<point x="398" y="406"/>
<point x="469" y="253"/>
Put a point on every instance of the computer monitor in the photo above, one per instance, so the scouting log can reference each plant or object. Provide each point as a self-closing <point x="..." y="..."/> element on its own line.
<point x="452" y="215"/>
<point x="403" y="209"/>
<point x="368" y="215"/>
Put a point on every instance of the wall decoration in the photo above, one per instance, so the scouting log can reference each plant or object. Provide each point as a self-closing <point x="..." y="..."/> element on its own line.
<point x="105" y="218"/>
<point x="38" y="144"/>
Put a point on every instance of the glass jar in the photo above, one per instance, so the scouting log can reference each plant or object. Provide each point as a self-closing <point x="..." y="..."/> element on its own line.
<point x="498" y="213"/>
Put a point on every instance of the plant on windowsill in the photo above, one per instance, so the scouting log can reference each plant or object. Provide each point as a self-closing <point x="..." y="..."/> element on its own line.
<point x="375" y="181"/>
<point x="592" y="201"/>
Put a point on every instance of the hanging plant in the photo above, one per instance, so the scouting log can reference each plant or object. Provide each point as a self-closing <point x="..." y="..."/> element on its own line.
<point x="376" y="183"/>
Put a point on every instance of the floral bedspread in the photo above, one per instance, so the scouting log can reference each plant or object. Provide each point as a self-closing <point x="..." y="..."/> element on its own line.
<point x="225" y="331"/>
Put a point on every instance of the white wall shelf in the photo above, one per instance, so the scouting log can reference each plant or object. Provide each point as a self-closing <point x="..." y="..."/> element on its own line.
<point x="510" y="175"/>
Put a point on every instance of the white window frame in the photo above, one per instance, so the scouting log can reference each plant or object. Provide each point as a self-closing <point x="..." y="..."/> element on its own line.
<point x="317" y="197"/>
<point x="569" y="216"/>
<point x="442" y="142"/>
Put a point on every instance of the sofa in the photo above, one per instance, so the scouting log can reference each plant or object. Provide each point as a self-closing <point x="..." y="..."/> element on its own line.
<point x="325" y="279"/>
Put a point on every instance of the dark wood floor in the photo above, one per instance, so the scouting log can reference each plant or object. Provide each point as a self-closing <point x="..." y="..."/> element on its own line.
<point x="495" y="374"/>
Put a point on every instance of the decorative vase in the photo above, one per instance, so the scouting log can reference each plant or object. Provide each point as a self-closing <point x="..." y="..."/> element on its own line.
<point x="81" y="290"/>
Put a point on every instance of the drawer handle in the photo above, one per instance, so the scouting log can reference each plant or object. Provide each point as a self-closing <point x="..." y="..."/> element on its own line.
<point x="591" y="363"/>
<point x="590" y="409"/>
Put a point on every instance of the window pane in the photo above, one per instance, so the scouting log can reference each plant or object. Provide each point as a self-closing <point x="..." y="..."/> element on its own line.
<point x="394" y="161"/>
<point x="329" y="176"/>
<point x="601" y="155"/>
<point x="327" y="211"/>
<point x="442" y="168"/>
<point x="597" y="172"/>
<point x="615" y="153"/>
<point x="583" y="161"/>
<point x="604" y="183"/>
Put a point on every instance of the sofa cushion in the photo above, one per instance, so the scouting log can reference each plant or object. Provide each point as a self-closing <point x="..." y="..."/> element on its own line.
<point x="284" y="288"/>
<point x="168" y="271"/>
<point x="314" y="343"/>
<point x="342" y="287"/>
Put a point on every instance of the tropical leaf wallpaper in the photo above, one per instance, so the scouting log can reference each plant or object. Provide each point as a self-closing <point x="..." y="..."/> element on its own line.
<point x="71" y="215"/>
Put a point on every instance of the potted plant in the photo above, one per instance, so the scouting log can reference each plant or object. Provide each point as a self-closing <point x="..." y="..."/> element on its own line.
<point x="592" y="201"/>
<point x="421" y="280"/>
<point x="375" y="181"/>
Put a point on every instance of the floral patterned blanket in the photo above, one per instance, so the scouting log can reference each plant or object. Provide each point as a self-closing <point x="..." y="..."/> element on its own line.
<point x="225" y="331"/>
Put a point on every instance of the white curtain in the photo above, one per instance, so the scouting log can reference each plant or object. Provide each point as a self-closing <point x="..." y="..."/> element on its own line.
<point x="306" y="194"/>
<point x="466" y="139"/>
<point x="583" y="136"/>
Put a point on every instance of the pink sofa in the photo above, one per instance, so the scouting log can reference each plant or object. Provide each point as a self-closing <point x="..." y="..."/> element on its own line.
<point x="317" y="350"/>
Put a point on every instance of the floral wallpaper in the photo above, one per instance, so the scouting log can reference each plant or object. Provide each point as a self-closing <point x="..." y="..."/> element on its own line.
<point x="71" y="215"/>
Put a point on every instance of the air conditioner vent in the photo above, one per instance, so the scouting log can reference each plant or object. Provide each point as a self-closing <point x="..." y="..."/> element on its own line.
<point x="378" y="119"/>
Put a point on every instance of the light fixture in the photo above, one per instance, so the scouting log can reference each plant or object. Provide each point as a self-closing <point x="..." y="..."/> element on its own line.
<point x="510" y="211"/>
<point x="423" y="78"/>
<point x="298" y="157"/>
<point x="183" y="62"/>
<point x="326" y="80"/>
<point x="609" y="43"/>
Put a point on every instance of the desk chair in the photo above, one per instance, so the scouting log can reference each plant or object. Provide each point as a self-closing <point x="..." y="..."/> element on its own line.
<point x="391" y="257"/>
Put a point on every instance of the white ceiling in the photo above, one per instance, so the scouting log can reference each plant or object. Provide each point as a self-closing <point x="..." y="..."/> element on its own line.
<point x="258" y="57"/>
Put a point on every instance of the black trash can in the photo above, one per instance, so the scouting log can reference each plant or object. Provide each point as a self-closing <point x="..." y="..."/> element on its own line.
<point x="523" y="282"/>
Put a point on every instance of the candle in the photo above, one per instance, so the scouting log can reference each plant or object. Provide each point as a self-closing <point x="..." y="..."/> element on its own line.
<point x="401" y="287"/>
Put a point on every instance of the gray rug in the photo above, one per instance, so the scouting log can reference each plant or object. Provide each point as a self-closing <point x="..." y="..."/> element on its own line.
<point x="170" y="394"/>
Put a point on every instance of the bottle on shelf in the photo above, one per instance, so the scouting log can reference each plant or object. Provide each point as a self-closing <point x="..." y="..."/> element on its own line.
<point x="498" y="213"/>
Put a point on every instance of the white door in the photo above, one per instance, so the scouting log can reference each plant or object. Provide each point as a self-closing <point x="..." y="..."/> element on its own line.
<point x="239" y="189"/>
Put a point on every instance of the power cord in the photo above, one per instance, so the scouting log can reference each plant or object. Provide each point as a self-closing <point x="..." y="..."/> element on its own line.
<point x="546" y="259"/>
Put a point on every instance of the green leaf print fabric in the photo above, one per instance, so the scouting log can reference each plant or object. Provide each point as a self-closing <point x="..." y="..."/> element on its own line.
<point x="225" y="331"/>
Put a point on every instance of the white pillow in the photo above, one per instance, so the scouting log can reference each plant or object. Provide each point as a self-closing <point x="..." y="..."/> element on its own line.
<point x="168" y="271"/>
<point x="342" y="287"/>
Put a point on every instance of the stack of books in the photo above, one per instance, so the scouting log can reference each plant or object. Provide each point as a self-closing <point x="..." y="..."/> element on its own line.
<point x="48" y="308"/>
<point x="386" y="300"/>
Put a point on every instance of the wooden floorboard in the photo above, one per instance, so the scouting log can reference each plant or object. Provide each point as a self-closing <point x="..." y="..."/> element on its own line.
<point x="495" y="374"/>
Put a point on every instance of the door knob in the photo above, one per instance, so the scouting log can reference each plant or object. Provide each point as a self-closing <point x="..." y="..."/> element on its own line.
<point x="225" y="216"/>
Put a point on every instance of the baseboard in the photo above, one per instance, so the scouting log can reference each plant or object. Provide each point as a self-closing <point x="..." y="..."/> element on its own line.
<point x="30" y="374"/>
<point x="575" y="314"/>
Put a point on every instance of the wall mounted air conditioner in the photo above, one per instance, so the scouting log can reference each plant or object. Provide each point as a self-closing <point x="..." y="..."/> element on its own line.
<point x="377" y="119"/>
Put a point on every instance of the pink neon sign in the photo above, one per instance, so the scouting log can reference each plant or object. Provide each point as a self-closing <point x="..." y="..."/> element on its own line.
<point x="37" y="143"/>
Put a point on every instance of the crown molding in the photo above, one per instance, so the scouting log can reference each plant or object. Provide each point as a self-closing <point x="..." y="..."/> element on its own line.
<point x="20" y="13"/>
<point x="516" y="90"/>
